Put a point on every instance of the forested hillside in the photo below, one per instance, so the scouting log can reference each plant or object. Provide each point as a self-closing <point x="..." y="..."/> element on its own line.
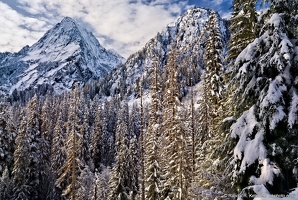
<point x="190" y="116"/>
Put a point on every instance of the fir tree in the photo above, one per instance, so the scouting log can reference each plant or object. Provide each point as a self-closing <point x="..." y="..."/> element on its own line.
<point x="191" y="121"/>
<point x="70" y="170"/>
<point x="58" y="150"/>
<point x="204" y="135"/>
<point x="119" y="181"/>
<point x="7" y="138"/>
<point x="101" y="188"/>
<point x="85" y="129"/>
<point x="265" y="75"/>
<point x="175" y="150"/>
<point x="151" y="143"/>
<point x="46" y="127"/>
<point x="99" y="143"/>
<point x="21" y="164"/>
<point x="214" y="58"/>
<point x="30" y="140"/>
<point x="86" y="180"/>
<point x="142" y="143"/>
<point x="6" y="185"/>
<point x="242" y="28"/>
<point x="134" y="167"/>
<point x="210" y="108"/>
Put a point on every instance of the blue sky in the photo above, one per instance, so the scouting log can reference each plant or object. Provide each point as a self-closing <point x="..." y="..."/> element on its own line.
<point x="122" y="25"/>
<point x="221" y="6"/>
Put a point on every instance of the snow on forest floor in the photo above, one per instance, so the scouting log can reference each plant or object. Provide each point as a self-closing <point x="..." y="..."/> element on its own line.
<point x="273" y="197"/>
<point x="292" y="196"/>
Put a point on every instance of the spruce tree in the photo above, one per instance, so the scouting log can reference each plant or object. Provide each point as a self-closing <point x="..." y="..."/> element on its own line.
<point x="7" y="138"/>
<point x="151" y="142"/>
<point x="101" y="188"/>
<point x="119" y="182"/>
<point x="85" y="130"/>
<point x="242" y="28"/>
<point x="100" y="137"/>
<point x="213" y="85"/>
<point x="86" y="180"/>
<point x="46" y="129"/>
<point x="134" y="167"/>
<point x="68" y="173"/>
<point x="205" y="135"/>
<point x="265" y="74"/>
<point x="192" y="123"/>
<point x="21" y="163"/>
<point x="6" y="185"/>
<point x="26" y="156"/>
<point x="214" y="58"/>
<point x="210" y="111"/>
<point x="58" y="150"/>
<point x="176" y="169"/>
<point x="29" y="142"/>
<point x="142" y="143"/>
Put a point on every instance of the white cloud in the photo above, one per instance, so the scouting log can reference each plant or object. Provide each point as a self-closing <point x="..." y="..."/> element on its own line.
<point x="126" y="25"/>
<point x="227" y="15"/>
<point x="217" y="2"/>
<point x="16" y="30"/>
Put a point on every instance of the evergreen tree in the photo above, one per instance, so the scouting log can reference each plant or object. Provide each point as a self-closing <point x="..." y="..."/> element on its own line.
<point x="175" y="150"/>
<point x="58" y="150"/>
<point x="70" y="170"/>
<point x="21" y="164"/>
<point x="142" y="143"/>
<point x="86" y="180"/>
<point x="120" y="180"/>
<point x="212" y="79"/>
<point x="101" y="184"/>
<point x="151" y="143"/>
<point x="265" y="75"/>
<point x="85" y="132"/>
<point x="289" y="9"/>
<point x="134" y="168"/>
<point x="7" y="138"/>
<point x="99" y="144"/>
<point x="113" y="108"/>
<point x="242" y="28"/>
<point x="204" y="135"/>
<point x="6" y="185"/>
<point x="191" y="121"/>
<point x="29" y="142"/>
<point x="214" y="58"/>
<point x="211" y="109"/>
<point x="46" y="129"/>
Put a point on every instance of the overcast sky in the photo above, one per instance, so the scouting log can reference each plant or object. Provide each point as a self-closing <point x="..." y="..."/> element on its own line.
<point x="122" y="25"/>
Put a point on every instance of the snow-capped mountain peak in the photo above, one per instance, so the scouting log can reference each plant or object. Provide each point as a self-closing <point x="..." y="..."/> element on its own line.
<point x="67" y="53"/>
<point x="187" y="33"/>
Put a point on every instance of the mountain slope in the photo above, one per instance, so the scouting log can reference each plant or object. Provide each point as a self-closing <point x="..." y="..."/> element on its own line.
<point x="187" y="33"/>
<point x="67" y="53"/>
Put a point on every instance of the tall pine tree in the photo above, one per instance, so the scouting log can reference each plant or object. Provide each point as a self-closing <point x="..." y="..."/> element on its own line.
<point x="120" y="181"/>
<point x="70" y="170"/>
<point x="176" y="169"/>
<point x="151" y="143"/>
<point x="242" y="28"/>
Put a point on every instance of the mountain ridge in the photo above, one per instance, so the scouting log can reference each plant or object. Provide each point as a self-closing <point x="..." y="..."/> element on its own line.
<point x="187" y="33"/>
<point x="67" y="53"/>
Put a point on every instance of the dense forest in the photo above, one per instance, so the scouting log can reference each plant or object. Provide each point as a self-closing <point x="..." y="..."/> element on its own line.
<point x="227" y="132"/>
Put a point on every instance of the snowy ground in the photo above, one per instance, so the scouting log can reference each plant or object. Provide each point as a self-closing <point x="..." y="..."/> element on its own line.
<point x="292" y="196"/>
